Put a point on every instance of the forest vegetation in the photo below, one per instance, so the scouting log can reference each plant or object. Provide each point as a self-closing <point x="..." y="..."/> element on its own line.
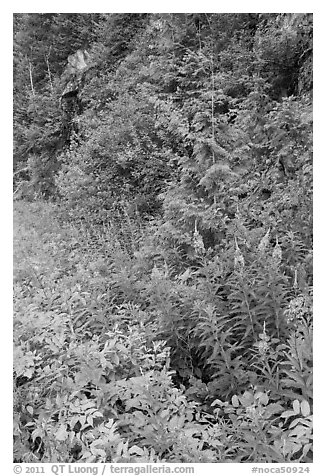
<point x="163" y="237"/>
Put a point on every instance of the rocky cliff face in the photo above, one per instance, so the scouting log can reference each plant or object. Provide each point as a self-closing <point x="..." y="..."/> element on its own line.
<point x="72" y="79"/>
<point x="78" y="63"/>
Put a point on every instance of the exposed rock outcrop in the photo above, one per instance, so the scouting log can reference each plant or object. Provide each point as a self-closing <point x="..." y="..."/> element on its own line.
<point x="78" y="63"/>
<point x="72" y="80"/>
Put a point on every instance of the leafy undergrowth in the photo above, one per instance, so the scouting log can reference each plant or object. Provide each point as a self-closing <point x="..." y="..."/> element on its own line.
<point x="118" y="358"/>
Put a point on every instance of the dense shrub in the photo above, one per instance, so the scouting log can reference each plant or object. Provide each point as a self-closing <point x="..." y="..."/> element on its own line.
<point x="163" y="263"/>
<point x="94" y="349"/>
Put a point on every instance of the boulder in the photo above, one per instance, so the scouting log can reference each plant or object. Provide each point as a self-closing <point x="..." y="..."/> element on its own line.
<point x="72" y="81"/>
<point x="78" y="64"/>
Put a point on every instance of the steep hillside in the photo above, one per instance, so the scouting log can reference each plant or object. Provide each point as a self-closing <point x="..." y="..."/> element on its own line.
<point x="163" y="270"/>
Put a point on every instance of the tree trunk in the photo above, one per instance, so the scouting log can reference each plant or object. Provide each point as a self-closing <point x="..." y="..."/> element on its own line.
<point x="31" y="77"/>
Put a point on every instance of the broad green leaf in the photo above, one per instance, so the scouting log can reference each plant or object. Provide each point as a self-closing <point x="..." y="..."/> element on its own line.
<point x="235" y="401"/>
<point x="305" y="408"/>
<point x="296" y="406"/>
<point x="136" y="450"/>
<point x="288" y="413"/>
<point x="62" y="433"/>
